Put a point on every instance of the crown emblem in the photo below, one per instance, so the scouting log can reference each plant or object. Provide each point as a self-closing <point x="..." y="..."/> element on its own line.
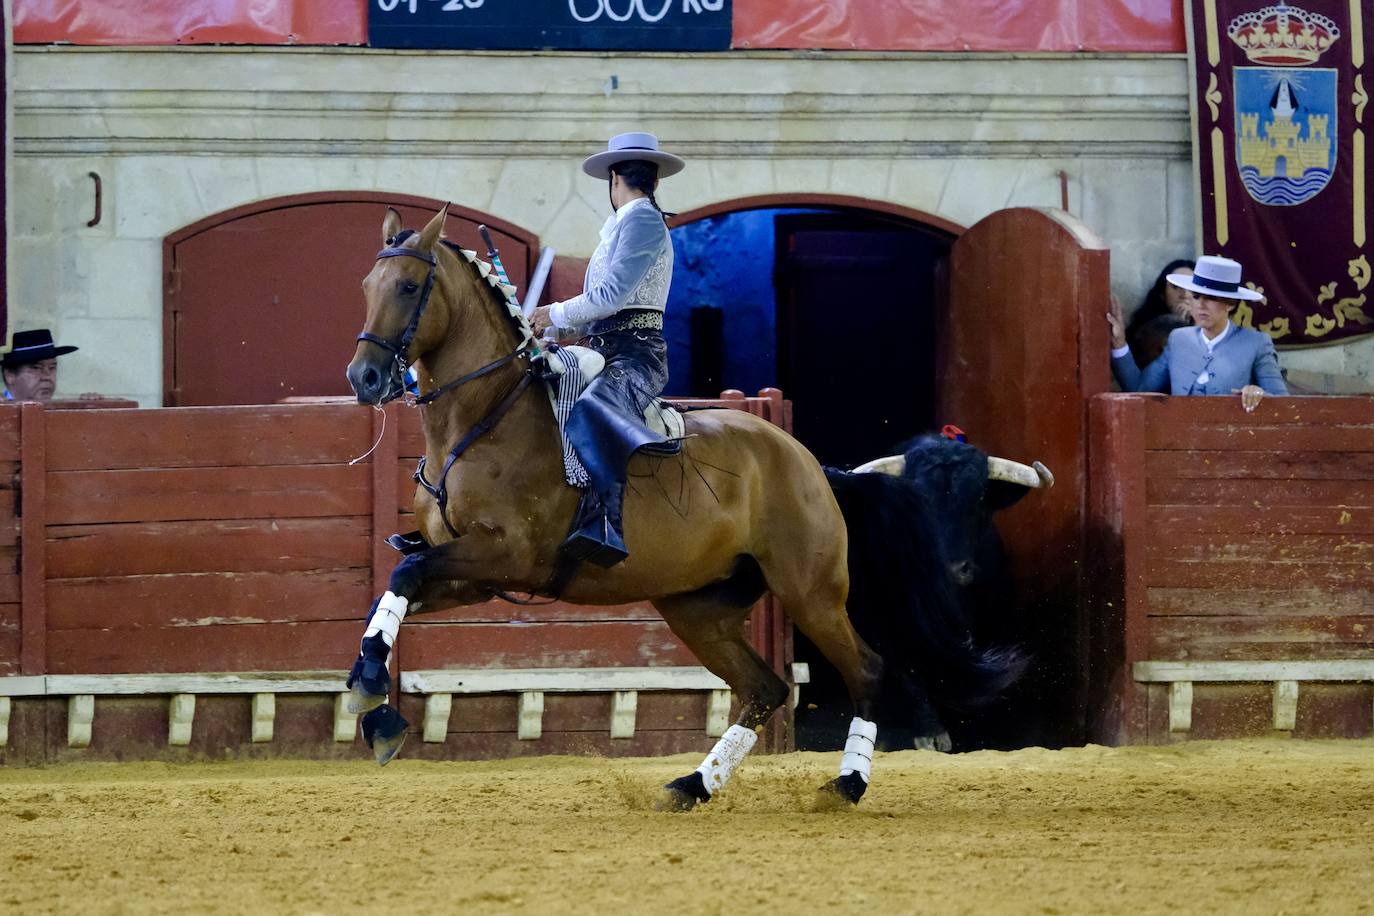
<point x="1283" y="35"/>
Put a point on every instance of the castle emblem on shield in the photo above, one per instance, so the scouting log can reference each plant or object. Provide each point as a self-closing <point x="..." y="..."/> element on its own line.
<point x="1285" y="109"/>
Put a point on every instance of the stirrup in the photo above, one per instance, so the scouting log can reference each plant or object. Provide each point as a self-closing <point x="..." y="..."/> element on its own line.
<point x="596" y="542"/>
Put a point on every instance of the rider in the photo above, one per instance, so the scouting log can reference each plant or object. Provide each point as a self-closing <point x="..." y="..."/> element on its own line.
<point x="620" y="315"/>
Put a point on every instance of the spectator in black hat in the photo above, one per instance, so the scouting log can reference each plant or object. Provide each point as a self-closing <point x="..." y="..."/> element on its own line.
<point x="30" y="366"/>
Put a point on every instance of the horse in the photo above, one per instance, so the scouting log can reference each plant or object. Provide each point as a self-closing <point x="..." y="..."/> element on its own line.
<point x="744" y="508"/>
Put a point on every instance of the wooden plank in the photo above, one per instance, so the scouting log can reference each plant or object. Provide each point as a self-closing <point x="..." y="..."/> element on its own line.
<point x="33" y="569"/>
<point x="1181" y="416"/>
<point x="1186" y="491"/>
<point x="1266" y="546"/>
<point x="624" y="706"/>
<point x="499" y="611"/>
<point x="9" y="653"/>
<point x="80" y="718"/>
<point x="23" y="686"/>
<point x="438" y="707"/>
<point x="1246" y="638"/>
<point x="1342" y="670"/>
<point x="556" y="680"/>
<point x="383" y="503"/>
<point x="271" y="545"/>
<point x="1285" y="705"/>
<point x="1239" y="436"/>
<point x="10" y="587"/>
<point x="1259" y="573"/>
<point x="249" y="647"/>
<point x="531" y="716"/>
<point x="345" y="722"/>
<point x="1164" y="521"/>
<point x="181" y="714"/>
<point x="1302" y="464"/>
<point x="208" y="599"/>
<point x="1206" y="600"/>
<point x="264" y="716"/>
<point x="209" y="436"/>
<point x="171" y="494"/>
<point x="10" y="423"/>
<point x="327" y="681"/>
<point x="570" y="645"/>
<point x="1180" y="706"/>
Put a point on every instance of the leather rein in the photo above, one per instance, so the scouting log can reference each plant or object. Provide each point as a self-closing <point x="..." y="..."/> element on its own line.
<point x="399" y="347"/>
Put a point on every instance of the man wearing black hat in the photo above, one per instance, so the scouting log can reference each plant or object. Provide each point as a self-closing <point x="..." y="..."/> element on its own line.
<point x="30" y="366"/>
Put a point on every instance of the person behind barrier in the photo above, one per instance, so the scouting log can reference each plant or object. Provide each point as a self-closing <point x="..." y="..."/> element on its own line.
<point x="1215" y="358"/>
<point x="1163" y="299"/>
<point x="29" y="366"/>
<point x="619" y="314"/>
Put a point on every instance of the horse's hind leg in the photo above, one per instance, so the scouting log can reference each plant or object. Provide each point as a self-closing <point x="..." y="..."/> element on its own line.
<point x="715" y="634"/>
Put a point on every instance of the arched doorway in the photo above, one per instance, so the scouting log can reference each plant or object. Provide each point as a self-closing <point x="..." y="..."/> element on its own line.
<point x="262" y="302"/>
<point x="829" y="298"/>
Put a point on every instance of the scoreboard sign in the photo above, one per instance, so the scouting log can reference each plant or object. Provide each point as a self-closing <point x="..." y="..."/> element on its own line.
<point x="574" y="25"/>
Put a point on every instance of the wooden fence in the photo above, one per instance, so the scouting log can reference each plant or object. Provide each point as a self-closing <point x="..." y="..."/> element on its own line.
<point x="197" y="577"/>
<point x="1235" y="567"/>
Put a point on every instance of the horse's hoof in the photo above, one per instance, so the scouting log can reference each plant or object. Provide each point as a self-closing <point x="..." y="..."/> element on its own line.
<point x="682" y="794"/>
<point x="360" y="702"/>
<point x="841" y="792"/>
<point x="940" y="742"/>
<point x="384" y="730"/>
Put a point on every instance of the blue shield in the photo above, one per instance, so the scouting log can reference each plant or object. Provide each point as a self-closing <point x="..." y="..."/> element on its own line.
<point x="1285" y="137"/>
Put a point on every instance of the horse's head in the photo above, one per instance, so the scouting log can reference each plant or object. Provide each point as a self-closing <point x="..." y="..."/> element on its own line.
<point x="404" y="319"/>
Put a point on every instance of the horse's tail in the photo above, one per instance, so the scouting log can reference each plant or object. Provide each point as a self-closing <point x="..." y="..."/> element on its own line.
<point x="902" y="600"/>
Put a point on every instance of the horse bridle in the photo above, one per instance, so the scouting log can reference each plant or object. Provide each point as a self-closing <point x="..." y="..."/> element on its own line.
<point x="399" y="347"/>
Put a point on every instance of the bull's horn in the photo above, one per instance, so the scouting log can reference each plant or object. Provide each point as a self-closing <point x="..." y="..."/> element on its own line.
<point x="1018" y="473"/>
<point x="893" y="466"/>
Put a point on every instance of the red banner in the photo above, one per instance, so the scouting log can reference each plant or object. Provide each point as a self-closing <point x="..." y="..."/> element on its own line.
<point x="969" y="25"/>
<point x="1279" y="98"/>
<point x="869" y="25"/>
<point x="170" y="22"/>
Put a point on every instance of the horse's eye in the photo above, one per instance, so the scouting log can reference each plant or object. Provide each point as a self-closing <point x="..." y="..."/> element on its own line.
<point x="409" y="288"/>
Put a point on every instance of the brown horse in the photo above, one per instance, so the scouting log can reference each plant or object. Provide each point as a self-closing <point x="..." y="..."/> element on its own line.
<point x="748" y="509"/>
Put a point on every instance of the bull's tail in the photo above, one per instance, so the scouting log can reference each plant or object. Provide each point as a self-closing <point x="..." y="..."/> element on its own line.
<point x="902" y="600"/>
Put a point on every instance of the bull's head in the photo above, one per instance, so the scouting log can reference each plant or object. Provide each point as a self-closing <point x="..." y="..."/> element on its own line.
<point x="963" y="487"/>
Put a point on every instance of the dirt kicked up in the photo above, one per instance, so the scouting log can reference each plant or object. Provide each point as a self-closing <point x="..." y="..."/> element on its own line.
<point x="1273" y="827"/>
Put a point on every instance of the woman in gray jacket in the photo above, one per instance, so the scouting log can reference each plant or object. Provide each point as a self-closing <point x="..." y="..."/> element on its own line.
<point x="1216" y="357"/>
<point x="620" y="315"/>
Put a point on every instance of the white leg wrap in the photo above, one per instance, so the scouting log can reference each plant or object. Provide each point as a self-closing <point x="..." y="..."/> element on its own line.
<point x="858" y="749"/>
<point x="391" y="610"/>
<point x="715" y="770"/>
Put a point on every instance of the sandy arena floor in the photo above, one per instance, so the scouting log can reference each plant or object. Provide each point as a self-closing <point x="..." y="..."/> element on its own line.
<point x="1253" y="827"/>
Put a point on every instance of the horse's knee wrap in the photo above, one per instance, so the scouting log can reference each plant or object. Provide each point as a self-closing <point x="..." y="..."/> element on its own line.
<point x="858" y="749"/>
<point x="729" y="751"/>
<point x="386" y="617"/>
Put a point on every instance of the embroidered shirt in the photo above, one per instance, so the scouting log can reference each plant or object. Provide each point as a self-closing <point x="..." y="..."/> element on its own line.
<point x="631" y="268"/>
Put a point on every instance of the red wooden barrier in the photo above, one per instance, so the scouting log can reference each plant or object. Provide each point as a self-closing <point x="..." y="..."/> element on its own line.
<point x="1235" y="553"/>
<point x="240" y="539"/>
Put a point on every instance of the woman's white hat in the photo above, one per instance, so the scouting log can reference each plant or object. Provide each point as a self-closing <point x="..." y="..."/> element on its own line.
<point x="624" y="147"/>
<point x="1215" y="276"/>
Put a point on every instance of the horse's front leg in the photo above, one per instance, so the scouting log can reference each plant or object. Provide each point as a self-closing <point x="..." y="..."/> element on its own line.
<point x="432" y="578"/>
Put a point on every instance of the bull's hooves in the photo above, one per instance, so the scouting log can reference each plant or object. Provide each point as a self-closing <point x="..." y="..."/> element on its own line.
<point x="842" y="792"/>
<point x="940" y="742"/>
<point x="360" y="702"/>
<point x="682" y="794"/>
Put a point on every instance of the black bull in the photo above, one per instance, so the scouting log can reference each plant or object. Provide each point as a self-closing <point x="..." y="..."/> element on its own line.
<point x="940" y="495"/>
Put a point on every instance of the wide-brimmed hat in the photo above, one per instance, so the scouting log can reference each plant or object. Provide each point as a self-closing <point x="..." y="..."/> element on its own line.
<point x="1215" y="276"/>
<point x="30" y="347"/>
<point x="624" y="147"/>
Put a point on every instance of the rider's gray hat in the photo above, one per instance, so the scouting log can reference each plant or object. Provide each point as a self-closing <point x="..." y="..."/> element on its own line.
<point x="624" y="147"/>
<point x="1215" y="276"/>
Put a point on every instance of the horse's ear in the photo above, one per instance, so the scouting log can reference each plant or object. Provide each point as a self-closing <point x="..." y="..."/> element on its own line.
<point x="430" y="234"/>
<point x="391" y="224"/>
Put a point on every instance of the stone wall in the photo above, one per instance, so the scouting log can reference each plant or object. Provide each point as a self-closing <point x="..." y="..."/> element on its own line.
<point x="177" y="134"/>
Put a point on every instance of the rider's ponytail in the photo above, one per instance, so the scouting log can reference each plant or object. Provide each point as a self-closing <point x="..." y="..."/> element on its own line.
<point x="641" y="175"/>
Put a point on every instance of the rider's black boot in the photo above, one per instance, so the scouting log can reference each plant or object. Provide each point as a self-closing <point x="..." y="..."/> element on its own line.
<point x="597" y="534"/>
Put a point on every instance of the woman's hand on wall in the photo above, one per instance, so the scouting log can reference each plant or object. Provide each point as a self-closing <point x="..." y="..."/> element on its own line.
<point x="1250" y="396"/>
<point x="1117" y="325"/>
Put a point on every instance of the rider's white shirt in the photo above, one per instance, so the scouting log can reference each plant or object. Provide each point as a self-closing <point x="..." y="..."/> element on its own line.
<point x="631" y="268"/>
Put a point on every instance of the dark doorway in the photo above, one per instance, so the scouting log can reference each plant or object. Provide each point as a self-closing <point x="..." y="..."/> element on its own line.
<point x="856" y="300"/>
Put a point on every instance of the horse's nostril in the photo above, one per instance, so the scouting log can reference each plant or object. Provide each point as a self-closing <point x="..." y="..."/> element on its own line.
<point x="371" y="378"/>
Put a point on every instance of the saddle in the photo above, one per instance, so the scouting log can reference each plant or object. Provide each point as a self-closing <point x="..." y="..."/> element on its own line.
<point x="662" y="418"/>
